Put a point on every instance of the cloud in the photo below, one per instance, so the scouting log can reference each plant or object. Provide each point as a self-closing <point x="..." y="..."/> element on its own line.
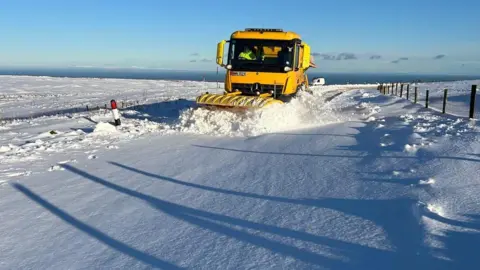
<point x="440" y="56"/>
<point x="203" y="60"/>
<point x="327" y="56"/>
<point x="346" y="56"/>
<point x="375" y="57"/>
<point x="400" y="59"/>
<point x="341" y="56"/>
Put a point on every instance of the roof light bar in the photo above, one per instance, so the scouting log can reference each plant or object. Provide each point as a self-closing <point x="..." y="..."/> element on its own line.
<point x="263" y="30"/>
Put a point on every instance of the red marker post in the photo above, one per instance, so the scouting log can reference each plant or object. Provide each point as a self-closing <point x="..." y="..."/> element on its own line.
<point x="116" y="114"/>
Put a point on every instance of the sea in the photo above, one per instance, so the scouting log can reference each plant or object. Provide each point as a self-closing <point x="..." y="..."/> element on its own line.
<point x="218" y="76"/>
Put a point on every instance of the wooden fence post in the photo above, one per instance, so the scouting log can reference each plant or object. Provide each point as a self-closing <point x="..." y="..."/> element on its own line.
<point x="472" y="101"/>
<point x="416" y="94"/>
<point x="444" y="100"/>
<point x="401" y="90"/>
<point x="426" y="99"/>
<point x="408" y="91"/>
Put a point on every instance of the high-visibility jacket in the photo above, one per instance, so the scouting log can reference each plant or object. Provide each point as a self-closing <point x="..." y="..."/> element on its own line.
<point x="249" y="55"/>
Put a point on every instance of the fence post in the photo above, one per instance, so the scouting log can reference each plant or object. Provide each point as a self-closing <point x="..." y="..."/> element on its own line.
<point x="416" y="94"/>
<point x="472" y="101"/>
<point x="408" y="91"/>
<point x="444" y="100"/>
<point x="401" y="90"/>
<point x="396" y="89"/>
<point x="426" y="99"/>
<point x="116" y="114"/>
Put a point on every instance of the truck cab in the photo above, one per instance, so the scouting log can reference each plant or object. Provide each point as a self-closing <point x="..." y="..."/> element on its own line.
<point x="263" y="62"/>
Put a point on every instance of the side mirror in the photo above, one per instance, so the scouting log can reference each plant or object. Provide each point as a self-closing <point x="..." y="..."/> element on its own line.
<point x="306" y="56"/>
<point x="220" y="50"/>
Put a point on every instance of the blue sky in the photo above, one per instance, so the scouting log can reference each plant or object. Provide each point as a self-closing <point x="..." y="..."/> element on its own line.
<point x="173" y="34"/>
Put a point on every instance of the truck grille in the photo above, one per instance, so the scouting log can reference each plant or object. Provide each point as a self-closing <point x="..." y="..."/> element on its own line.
<point x="249" y="88"/>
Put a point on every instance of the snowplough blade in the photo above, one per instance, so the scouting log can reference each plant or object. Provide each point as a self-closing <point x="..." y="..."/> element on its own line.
<point x="236" y="100"/>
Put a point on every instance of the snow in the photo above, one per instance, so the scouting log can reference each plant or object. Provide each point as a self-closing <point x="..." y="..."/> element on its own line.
<point x="345" y="178"/>
<point x="458" y="96"/>
<point x="26" y="96"/>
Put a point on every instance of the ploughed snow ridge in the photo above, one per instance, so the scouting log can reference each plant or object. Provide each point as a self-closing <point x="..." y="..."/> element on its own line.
<point x="304" y="111"/>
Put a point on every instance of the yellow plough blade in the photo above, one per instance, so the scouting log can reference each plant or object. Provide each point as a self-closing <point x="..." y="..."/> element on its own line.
<point x="234" y="100"/>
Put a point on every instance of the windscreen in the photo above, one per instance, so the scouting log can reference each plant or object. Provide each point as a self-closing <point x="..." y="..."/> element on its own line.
<point x="261" y="55"/>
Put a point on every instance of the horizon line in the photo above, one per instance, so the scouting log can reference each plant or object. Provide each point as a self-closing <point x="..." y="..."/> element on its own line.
<point x="217" y="69"/>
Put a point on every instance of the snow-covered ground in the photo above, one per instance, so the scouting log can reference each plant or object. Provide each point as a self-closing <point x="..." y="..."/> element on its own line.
<point x="25" y="96"/>
<point x="342" y="179"/>
<point x="458" y="96"/>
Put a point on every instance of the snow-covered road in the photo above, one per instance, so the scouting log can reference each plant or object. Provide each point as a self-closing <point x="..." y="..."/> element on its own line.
<point x="361" y="182"/>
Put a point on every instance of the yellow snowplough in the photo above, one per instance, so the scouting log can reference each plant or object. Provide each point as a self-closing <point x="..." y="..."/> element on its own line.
<point x="263" y="67"/>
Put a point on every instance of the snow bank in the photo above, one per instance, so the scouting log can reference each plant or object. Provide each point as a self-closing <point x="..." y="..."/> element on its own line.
<point x="105" y="129"/>
<point x="304" y="111"/>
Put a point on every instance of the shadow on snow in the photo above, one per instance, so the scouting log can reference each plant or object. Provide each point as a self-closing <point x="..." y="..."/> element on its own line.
<point x="407" y="236"/>
<point x="100" y="236"/>
<point x="162" y="112"/>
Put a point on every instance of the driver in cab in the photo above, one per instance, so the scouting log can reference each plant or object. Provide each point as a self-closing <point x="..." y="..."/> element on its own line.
<point x="247" y="54"/>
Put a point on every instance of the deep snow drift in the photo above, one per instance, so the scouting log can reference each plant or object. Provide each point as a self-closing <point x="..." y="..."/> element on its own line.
<point x="342" y="179"/>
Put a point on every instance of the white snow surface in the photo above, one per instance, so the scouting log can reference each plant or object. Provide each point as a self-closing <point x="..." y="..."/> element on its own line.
<point x="458" y="96"/>
<point x="345" y="178"/>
